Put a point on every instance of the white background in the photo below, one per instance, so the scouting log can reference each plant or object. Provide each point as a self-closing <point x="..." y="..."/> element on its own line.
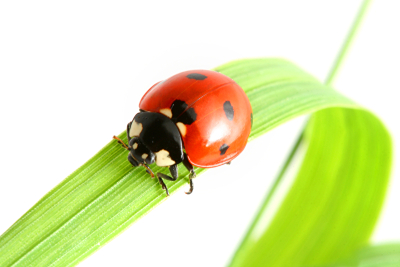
<point x="72" y="74"/>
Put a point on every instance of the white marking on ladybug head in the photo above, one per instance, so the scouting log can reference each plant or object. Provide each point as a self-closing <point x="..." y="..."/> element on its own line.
<point x="182" y="128"/>
<point x="144" y="156"/>
<point x="135" y="145"/>
<point x="163" y="158"/>
<point x="167" y="112"/>
<point x="136" y="129"/>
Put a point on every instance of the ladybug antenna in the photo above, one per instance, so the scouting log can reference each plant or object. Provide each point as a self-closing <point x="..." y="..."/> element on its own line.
<point x="148" y="169"/>
<point x="121" y="142"/>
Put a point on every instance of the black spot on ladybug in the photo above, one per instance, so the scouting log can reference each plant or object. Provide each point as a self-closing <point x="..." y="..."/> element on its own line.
<point x="188" y="117"/>
<point x="223" y="149"/>
<point x="196" y="76"/>
<point x="178" y="107"/>
<point x="228" y="110"/>
<point x="181" y="112"/>
<point x="251" y="119"/>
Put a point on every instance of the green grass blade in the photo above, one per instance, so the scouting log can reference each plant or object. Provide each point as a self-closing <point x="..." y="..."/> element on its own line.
<point x="334" y="203"/>
<point x="387" y="255"/>
<point x="106" y="195"/>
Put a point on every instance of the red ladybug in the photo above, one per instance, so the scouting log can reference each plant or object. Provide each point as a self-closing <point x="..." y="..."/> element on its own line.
<point x="203" y="113"/>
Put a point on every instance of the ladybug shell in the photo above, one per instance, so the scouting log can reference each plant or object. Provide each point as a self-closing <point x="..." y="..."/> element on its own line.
<point x="212" y="112"/>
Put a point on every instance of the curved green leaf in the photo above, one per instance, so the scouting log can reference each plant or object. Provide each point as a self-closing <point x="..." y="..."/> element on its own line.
<point x="106" y="195"/>
<point x="385" y="255"/>
<point x="333" y="205"/>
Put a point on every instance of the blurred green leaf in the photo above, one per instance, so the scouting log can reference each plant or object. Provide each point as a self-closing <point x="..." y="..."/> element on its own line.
<point x="386" y="255"/>
<point x="329" y="211"/>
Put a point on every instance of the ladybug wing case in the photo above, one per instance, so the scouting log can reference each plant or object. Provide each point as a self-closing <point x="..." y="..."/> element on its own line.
<point x="212" y="113"/>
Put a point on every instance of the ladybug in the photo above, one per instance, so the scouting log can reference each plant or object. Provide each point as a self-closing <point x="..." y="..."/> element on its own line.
<point x="200" y="118"/>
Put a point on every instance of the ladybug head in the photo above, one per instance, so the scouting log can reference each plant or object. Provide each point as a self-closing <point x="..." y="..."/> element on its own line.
<point x="154" y="138"/>
<point x="140" y="152"/>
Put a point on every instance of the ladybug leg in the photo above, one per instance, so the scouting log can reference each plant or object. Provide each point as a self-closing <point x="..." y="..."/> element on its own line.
<point x="173" y="169"/>
<point x="148" y="170"/>
<point x="191" y="186"/>
<point x="162" y="184"/>
<point x="188" y="166"/>
<point x="192" y="174"/>
<point x="121" y="142"/>
<point x="162" y="176"/>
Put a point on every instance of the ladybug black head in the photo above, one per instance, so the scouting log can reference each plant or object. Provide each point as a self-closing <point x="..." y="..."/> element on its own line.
<point x="155" y="138"/>
<point x="140" y="152"/>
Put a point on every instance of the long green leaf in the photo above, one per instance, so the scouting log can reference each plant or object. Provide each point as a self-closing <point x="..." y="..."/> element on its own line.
<point x="334" y="203"/>
<point x="386" y="255"/>
<point x="106" y="195"/>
